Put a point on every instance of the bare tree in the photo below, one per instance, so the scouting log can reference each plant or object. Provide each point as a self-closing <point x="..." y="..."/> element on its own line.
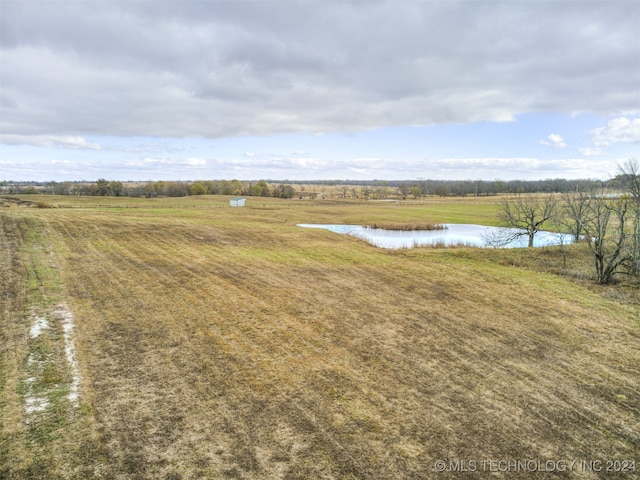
<point x="570" y="217"/>
<point x="629" y="176"/>
<point x="607" y="235"/>
<point x="572" y="214"/>
<point x="528" y="213"/>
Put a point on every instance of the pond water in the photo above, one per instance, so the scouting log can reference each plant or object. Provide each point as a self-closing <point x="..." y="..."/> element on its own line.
<point x="452" y="234"/>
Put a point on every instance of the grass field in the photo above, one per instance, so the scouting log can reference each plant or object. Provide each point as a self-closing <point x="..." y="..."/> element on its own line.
<point x="214" y="342"/>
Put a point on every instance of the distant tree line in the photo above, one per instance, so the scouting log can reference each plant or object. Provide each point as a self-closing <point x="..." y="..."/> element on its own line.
<point x="423" y="188"/>
<point x="113" y="188"/>
<point x="362" y="189"/>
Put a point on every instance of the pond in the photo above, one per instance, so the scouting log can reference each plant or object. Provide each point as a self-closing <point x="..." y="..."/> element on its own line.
<point x="452" y="234"/>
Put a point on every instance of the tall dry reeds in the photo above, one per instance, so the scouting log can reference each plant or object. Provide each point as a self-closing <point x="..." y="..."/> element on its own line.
<point x="406" y="227"/>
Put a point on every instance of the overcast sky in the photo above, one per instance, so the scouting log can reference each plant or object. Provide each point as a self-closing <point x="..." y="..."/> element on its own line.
<point x="318" y="89"/>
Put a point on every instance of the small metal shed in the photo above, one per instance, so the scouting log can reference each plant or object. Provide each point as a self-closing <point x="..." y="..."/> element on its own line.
<point x="237" y="202"/>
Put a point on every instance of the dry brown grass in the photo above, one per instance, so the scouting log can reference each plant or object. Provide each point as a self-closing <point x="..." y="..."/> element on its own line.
<point x="228" y="343"/>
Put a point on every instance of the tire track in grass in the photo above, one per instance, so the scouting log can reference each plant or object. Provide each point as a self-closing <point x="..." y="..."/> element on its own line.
<point x="13" y="341"/>
<point x="251" y="334"/>
<point x="462" y="359"/>
<point x="44" y="438"/>
<point x="242" y="366"/>
<point x="131" y="354"/>
<point x="173" y="272"/>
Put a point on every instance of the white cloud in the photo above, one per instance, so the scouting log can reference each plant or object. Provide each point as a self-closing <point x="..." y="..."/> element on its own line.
<point x="554" y="140"/>
<point x="618" y="130"/>
<point x="493" y="162"/>
<point x="46" y="141"/>
<point x="249" y="154"/>
<point x="591" y="152"/>
<point x="303" y="168"/>
<point x="195" y="162"/>
<point x="167" y="162"/>
<point x="523" y="168"/>
<point x="155" y="147"/>
<point x="367" y="161"/>
<point x="306" y="162"/>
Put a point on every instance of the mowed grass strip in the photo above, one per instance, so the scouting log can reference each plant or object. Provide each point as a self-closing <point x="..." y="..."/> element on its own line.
<point x="44" y="432"/>
<point x="228" y="343"/>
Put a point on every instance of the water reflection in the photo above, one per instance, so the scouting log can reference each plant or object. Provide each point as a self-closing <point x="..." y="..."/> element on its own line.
<point x="454" y="234"/>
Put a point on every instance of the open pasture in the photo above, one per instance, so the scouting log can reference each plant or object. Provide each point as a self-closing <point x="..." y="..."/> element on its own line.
<point x="217" y="342"/>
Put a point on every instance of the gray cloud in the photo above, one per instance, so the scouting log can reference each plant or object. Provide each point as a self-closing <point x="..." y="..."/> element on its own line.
<point x="216" y="69"/>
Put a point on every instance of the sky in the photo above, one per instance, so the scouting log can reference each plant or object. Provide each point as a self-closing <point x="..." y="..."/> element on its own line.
<point x="318" y="89"/>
